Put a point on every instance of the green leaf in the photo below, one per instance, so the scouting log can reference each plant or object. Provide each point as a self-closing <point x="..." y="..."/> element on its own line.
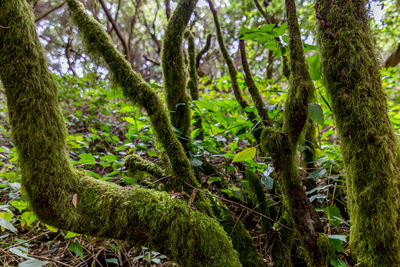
<point x="195" y="162"/>
<point x="51" y="228"/>
<point x="32" y="263"/>
<point x="315" y="67"/>
<point x="316" y="114"/>
<point x="338" y="263"/>
<point x="19" y="205"/>
<point x="71" y="234"/>
<point x="130" y="120"/>
<point x="87" y="158"/>
<point x="214" y="179"/>
<point x="108" y="158"/>
<point x="20" y="251"/>
<point x="7" y="225"/>
<point x="337" y="245"/>
<point x="245" y="155"/>
<point x="333" y="212"/>
<point x="316" y="174"/>
<point x="338" y="237"/>
<point x="77" y="249"/>
<point x="27" y="218"/>
<point x="112" y="260"/>
<point x="267" y="28"/>
<point x="267" y="181"/>
<point x="281" y="30"/>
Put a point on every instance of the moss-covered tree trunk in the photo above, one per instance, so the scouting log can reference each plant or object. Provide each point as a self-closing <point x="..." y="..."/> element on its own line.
<point x="65" y="197"/>
<point x="281" y="146"/>
<point x="369" y="145"/>
<point x="173" y="67"/>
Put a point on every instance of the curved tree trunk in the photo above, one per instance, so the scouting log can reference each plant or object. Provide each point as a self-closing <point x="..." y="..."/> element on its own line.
<point x="65" y="197"/>
<point x="369" y="145"/>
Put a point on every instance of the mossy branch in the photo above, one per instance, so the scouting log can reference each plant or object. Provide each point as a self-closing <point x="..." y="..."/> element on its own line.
<point x="368" y="142"/>
<point x="281" y="145"/>
<point x="301" y="85"/>
<point x="233" y="71"/>
<point x="65" y="197"/>
<point x="173" y="67"/>
<point x="204" y="50"/>
<point x="192" y="83"/>
<point x="136" y="163"/>
<point x="135" y="89"/>
<point x="251" y="85"/>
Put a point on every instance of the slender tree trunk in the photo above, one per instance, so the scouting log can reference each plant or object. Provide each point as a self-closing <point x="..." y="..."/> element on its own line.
<point x="369" y="145"/>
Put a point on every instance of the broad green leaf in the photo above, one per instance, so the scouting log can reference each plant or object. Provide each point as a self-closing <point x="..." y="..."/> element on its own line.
<point x="267" y="28"/>
<point x="51" y="228"/>
<point x="245" y="155"/>
<point x="316" y="114"/>
<point x="32" y="263"/>
<point x="267" y="181"/>
<point x="316" y="174"/>
<point x="71" y="234"/>
<point x="315" y="67"/>
<point x="19" y="205"/>
<point x="333" y="212"/>
<point x="337" y="245"/>
<point x="195" y="162"/>
<point x="27" y="218"/>
<point x="87" y="158"/>
<point x="281" y="30"/>
<point x="213" y="179"/>
<point x="338" y="237"/>
<point x="108" y="158"/>
<point x="7" y="225"/>
<point x="130" y="120"/>
<point x="77" y="249"/>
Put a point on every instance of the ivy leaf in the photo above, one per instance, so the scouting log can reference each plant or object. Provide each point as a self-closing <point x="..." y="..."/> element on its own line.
<point x="316" y="114"/>
<point x="245" y="155"/>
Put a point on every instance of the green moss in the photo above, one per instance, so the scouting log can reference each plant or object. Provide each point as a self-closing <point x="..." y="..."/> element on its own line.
<point x="242" y="242"/>
<point x="369" y="145"/>
<point x="203" y="51"/>
<point x="192" y="83"/>
<point x="173" y="67"/>
<point x="280" y="144"/>
<point x="134" y="163"/>
<point x="102" y="209"/>
<point x="136" y="90"/>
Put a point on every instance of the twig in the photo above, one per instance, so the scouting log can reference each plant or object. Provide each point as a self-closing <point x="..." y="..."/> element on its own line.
<point x="48" y="259"/>
<point x="240" y="205"/>
<point x="48" y="12"/>
<point x="26" y="241"/>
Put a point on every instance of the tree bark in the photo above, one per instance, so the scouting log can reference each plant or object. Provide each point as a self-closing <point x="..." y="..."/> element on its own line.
<point x="368" y="142"/>
<point x="65" y="197"/>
